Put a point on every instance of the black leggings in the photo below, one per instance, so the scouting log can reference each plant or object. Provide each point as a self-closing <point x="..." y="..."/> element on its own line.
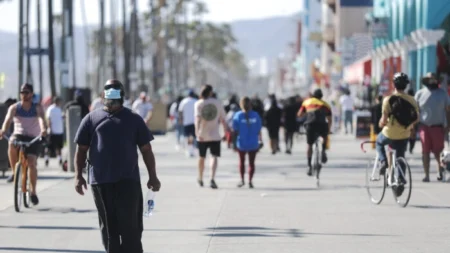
<point x="120" y="210"/>
<point x="289" y="139"/>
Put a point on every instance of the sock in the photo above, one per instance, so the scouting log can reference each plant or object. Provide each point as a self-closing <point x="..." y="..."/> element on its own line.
<point x="309" y="161"/>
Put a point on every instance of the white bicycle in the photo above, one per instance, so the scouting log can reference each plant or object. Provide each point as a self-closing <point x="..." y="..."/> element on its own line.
<point x="398" y="178"/>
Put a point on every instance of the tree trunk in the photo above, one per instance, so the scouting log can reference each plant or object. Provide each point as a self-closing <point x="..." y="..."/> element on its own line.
<point x="51" y="52"/>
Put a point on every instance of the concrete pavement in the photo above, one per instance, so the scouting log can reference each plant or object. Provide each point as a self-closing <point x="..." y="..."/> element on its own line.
<point x="285" y="212"/>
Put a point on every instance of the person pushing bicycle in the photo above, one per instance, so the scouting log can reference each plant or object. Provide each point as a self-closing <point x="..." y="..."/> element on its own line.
<point x="318" y="123"/>
<point x="29" y="123"/>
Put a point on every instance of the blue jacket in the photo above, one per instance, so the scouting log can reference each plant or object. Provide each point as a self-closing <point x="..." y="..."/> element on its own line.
<point x="247" y="130"/>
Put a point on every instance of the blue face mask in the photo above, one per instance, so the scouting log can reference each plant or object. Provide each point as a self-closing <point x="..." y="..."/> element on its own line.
<point x="112" y="94"/>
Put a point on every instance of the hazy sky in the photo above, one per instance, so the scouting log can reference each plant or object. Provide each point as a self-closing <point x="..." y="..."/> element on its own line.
<point x="220" y="10"/>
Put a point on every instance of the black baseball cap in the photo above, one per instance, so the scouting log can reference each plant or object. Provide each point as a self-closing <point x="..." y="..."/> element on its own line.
<point x="26" y="87"/>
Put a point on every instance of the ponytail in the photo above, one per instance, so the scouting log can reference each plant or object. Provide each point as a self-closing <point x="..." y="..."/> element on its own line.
<point x="246" y="107"/>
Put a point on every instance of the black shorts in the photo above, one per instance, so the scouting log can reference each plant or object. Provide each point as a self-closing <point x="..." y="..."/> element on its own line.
<point x="274" y="133"/>
<point x="189" y="130"/>
<point x="34" y="149"/>
<point x="213" y="146"/>
<point x="56" y="141"/>
<point x="314" y="130"/>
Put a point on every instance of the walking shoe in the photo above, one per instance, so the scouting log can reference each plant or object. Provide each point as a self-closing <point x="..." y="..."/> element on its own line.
<point x="10" y="179"/>
<point x="34" y="200"/>
<point x="242" y="183"/>
<point x="213" y="184"/>
<point x="324" y="157"/>
<point x="288" y="152"/>
<point x="250" y="185"/>
<point x="200" y="182"/>
<point x="46" y="162"/>
<point x="440" y="175"/>
<point x="309" y="173"/>
<point x="426" y="180"/>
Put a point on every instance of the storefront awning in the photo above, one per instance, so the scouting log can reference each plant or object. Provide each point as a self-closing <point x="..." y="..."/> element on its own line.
<point x="356" y="72"/>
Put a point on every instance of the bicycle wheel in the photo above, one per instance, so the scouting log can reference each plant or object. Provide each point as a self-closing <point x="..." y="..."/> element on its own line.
<point x="26" y="195"/>
<point x="18" y="188"/>
<point x="316" y="163"/>
<point x="403" y="182"/>
<point x="375" y="183"/>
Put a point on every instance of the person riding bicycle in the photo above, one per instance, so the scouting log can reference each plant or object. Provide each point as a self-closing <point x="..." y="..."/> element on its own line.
<point x="317" y="124"/>
<point x="29" y="123"/>
<point x="400" y="113"/>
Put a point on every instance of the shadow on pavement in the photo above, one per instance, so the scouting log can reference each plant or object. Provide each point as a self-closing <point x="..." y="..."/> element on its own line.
<point x="240" y="228"/>
<point x="65" y="210"/>
<point x="50" y="227"/>
<point x="430" y="207"/>
<point x="58" y="177"/>
<point x="241" y="235"/>
<point x="48" y="250"/>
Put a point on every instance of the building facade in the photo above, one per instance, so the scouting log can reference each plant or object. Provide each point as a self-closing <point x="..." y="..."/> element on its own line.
<point x="411" y="36"/>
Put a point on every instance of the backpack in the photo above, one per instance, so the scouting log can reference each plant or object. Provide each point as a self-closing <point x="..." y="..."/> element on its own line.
<point x="316" y="116"/>
<point x="403" y="111"/>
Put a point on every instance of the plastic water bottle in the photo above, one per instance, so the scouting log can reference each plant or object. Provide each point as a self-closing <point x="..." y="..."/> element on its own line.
<point x="149" y="204"/>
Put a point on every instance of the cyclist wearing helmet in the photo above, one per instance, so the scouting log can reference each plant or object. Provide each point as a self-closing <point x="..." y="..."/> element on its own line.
<point x="399" y="114"/>
<point x="318" y="122"/>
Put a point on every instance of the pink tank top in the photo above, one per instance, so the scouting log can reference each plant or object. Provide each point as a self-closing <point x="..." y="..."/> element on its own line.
<point x="26" y="123"/>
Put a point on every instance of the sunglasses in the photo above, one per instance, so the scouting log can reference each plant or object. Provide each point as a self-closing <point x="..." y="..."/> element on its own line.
<point x="113" y="86"/>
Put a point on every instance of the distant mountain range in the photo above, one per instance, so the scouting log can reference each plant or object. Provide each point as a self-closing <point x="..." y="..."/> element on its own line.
<point x="256" y="38"/>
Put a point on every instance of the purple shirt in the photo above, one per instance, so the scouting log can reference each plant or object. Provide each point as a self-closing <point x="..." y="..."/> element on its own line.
<point x="113" y="139"/>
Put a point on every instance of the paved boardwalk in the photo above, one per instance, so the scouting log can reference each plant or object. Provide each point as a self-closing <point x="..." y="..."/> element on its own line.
<point x="285" y="213"/>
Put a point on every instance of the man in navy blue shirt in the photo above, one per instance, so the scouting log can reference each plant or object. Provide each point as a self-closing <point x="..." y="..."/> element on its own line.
<point x="110" y="136"/>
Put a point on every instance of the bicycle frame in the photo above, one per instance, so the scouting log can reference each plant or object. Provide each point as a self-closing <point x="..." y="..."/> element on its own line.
<point x="23" y="159"/>
<point x="393" y="164"/>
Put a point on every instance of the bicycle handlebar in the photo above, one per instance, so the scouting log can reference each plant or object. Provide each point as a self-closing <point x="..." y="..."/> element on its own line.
<point x="365" y="142"/>
<point x="24" y="143"/>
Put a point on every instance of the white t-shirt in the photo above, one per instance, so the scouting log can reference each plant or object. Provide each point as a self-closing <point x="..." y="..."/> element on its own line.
<point x="96" y="104"/>
<point x="346" y="103"/>
<point x="54" y="114"/>
<point x="187" y="108"/>
<point x="142" y="108"/>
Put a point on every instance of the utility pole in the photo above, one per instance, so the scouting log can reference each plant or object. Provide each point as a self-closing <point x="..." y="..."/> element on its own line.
<point x="71" y="36"/>
<point x="51" y="50"/>
<point x="20" y="45"/>
<point x="113" y="59"/>
<point x="27" y="34"/>
<point x="126" y="50"/>
<point x="102" y="44"/>
<point x="154" y="47"/>
<point x="38" y="9"/>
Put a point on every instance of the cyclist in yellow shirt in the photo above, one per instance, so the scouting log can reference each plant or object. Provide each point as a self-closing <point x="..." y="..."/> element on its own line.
<point x="399" y="114"/>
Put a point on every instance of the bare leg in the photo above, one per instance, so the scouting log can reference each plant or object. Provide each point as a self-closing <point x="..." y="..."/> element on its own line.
<point x="426" y="165"/>
<point x="213" y="167"/>
<point x="201" y="168"/>
<point x="32" y="163"/>
<point x="13" y="154"/>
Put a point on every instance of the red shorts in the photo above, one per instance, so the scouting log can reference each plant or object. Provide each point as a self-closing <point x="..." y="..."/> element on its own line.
<point x="432" y="138"/>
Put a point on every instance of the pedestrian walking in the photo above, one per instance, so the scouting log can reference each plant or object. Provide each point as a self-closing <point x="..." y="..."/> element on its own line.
<point x="54" y="117"/>
<point x="111" y="135"/>
<point x="209" y="113"/>
<point x="290" y="123"/>
<point x="347" y="107"/>
<point x="273" y="123"/>
<point x="247" y="131"/>
<point x="187" y="119"/>
<point x="434" y="106"/>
